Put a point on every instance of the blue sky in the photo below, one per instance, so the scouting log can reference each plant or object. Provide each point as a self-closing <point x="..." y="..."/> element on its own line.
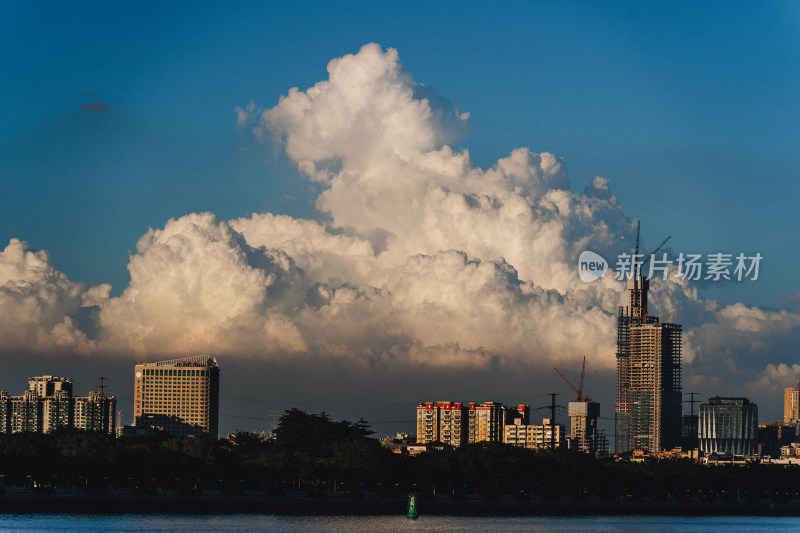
<point x="691" y="110"/>
<point x="116" y="117"/>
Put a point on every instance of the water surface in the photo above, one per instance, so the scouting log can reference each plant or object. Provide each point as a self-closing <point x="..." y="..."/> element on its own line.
<point x="440" y="524"/>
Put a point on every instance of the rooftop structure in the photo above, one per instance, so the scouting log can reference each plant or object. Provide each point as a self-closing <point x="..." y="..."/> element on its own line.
<point x="45" y="386"/>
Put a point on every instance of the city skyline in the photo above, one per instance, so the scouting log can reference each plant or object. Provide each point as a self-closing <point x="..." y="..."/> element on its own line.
<point x="407" y="223"/>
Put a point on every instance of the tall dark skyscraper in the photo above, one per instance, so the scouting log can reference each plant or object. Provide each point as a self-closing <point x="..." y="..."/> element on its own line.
<point x="649" y="393"/>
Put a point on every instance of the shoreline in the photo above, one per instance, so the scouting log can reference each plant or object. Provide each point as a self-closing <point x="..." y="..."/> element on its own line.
<point x="32" y="503"/>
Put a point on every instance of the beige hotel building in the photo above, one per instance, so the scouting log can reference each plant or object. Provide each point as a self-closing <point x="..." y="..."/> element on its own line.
<point x="178" y="396"/>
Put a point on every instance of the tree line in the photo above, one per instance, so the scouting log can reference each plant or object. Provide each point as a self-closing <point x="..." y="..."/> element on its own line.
<point x="314" y="455"/>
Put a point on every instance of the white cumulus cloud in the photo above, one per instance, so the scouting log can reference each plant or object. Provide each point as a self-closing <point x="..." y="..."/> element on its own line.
<point x="420" y="257"/>
<point x="40" y="306"/>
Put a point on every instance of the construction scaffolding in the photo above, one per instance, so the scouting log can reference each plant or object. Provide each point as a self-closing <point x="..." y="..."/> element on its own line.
<point x="649" y="400"/>
<point x="622" y="415"/>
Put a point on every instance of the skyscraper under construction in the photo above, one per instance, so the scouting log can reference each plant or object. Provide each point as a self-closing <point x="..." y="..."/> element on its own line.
<point x="649" y="398"/>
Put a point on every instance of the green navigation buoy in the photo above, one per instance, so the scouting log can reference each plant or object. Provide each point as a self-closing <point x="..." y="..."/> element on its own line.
<point x="411" y="511"/>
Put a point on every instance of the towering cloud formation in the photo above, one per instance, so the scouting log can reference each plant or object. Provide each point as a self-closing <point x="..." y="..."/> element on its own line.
<point x="424" y="258"/>
<point x="41" y="308"/>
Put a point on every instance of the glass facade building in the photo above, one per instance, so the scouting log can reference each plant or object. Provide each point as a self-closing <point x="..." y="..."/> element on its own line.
<point x="728" y="426"/>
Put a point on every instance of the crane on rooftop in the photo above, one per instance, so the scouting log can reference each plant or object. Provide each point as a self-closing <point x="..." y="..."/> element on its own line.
<point x="579" y="390"/>
<point x="647" y="256"/>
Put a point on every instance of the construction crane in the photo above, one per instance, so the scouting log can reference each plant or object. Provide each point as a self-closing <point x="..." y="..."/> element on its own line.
<point x="647" y="256"/>
<point x="653" y="252"/>
<point x="578" y="391"/>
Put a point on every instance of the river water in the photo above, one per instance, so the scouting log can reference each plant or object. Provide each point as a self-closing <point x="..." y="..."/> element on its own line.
<point x="439" y="524"/>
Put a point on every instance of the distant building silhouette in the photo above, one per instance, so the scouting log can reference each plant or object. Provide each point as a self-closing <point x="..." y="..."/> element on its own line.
<point x="178" y="396"/>
<point x="773" y="435"/>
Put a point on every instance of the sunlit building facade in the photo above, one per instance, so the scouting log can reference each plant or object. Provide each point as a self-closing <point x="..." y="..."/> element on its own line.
<point x="486" y="421"/>
<point x="455" y="423"/>
<point x="178" y="396"/>
<point x="791" y="403"/>
<point x="547" y="435"/>
<point x="441" y="422"/>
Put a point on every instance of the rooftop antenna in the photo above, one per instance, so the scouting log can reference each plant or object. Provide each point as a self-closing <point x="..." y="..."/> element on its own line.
<point x="103" y="385"/>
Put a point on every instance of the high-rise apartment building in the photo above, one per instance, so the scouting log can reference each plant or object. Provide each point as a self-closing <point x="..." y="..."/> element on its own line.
<point x="48" y="404"/>
<point x="728" y="426"/>
<point x="178" y="396"/>
<point x="486" y="421"/>
<point x="455" y="423"/>
<point x="649" y="393"/>
<point x="791" y="403"/>
<point x="95" y="411"/>
<point x="45" y="386"/>
<point x="441" y="422"/>
<point x="427" y="422"/>
<point x="20" y="413"/>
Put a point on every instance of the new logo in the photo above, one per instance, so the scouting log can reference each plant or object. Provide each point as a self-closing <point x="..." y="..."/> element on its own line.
<point x="591" y="266"/>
